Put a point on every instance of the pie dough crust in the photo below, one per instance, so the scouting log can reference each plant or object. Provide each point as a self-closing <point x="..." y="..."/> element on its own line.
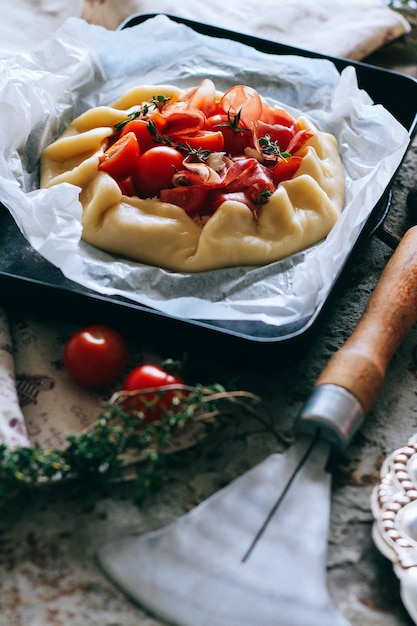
<point x="299" y="213"/>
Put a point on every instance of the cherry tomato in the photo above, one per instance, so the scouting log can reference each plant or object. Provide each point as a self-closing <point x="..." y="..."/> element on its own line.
<point x="155" y="169"/>
<point x="153" y="405"/>
<point x="236" y="136"/>
<point x="95" y="356"/>
<point x="120" y="158"/>
<point x="141" y="129"/>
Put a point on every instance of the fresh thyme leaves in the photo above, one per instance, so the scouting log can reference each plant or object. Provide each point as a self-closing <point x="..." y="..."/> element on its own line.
<point x="156" y="102"/>
<point x="131" y="116"/>
<point x="159" y="101"/>
<point x="263" y="197"/>
<point x="158" y="138"/>
<point x="234" y="122"/>
<point x="99" y="453"/>
<point x="151" y="126"/>
<point x="271" y="148"/>
<point x="198" y="155"/>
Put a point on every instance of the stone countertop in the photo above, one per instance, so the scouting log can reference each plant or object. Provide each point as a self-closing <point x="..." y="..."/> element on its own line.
<point x="48" y="572"/>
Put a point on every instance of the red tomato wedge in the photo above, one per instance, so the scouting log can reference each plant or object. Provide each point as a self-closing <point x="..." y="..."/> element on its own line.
<point x="120" y="158"/>
<point x="286" y="168"/>
<point x="141" y="129"/>
<point x="213" y="141"/>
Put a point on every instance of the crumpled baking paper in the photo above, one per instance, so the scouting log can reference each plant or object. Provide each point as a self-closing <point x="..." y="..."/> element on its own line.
<point x="84" y="66"/>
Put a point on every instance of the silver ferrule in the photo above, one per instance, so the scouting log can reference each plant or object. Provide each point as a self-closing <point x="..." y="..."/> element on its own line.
<point x="334" y="411"/>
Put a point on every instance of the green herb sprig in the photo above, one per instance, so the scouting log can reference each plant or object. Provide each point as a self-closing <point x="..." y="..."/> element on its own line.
<point x="272" y="148"/>
<point x="156" y="102"/>
<point x="99" y="453"/>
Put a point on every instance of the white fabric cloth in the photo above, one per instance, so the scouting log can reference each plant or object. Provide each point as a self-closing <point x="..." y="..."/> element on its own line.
<point x="351" y="29"/>
<point x="26" y="23"/>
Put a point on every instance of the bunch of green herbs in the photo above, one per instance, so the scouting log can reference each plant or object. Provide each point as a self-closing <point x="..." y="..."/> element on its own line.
<point x="101" y="453"/>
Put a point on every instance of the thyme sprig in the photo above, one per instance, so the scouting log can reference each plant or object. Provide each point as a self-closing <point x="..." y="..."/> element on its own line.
<point x="272" y="148"/>
<point x="161" y="139"/>
<point x="156" y="102"/>
<point x="130" y="116"/>
<point x="263" y="197"/>
<point x="198" y="155"/>
<point x="234" y="122"/>
<point x="100" y="452"/>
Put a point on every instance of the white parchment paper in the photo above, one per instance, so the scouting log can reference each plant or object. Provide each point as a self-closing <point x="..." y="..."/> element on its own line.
<point x="84" y="66"/>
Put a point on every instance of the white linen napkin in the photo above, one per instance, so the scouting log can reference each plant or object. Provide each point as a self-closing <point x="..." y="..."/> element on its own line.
<point x="25" y="24"/>
<point x="350" y="29"/>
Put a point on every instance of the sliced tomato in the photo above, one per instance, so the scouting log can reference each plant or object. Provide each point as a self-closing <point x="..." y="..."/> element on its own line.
<point x="155" y="169"/>
<point x="285" y="169"/>
<point x="300" y="138"/>
<point x="190" y="198"/>
<point x="182" y="117"/>
<point x="236" y="137"/>
<point x="140" y="127"/>
<point x="244" y="101"/>
<point x="203" y="97"/>
<point x="121" y="157"/>
<point x="210" y="140"/>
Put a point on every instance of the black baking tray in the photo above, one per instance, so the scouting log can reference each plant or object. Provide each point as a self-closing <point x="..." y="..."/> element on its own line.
<point x="29" y="282"/>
